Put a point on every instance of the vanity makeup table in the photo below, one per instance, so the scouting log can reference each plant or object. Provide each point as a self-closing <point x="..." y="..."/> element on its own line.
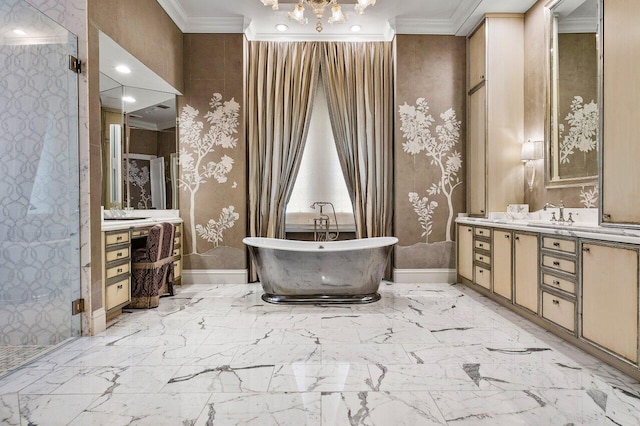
<point x="118" y="236"/>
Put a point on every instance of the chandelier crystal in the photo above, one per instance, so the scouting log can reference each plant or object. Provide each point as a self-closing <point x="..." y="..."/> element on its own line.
<point x="318" y="8"/>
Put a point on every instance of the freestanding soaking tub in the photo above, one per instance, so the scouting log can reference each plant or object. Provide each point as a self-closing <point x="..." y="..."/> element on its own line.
<point x="320" y="272"/>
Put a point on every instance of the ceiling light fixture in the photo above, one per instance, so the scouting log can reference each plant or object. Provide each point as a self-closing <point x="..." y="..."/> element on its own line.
<point x="129" y="99"/>
<point x="123" y="69"/>
<point x="318" y="7"/>
<point x="19" y="32"/>
<point x="356" y="28"/>
<point x="282" y="27"/>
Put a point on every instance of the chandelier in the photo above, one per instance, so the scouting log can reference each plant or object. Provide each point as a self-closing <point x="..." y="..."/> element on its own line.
<point x="318" y="7"/>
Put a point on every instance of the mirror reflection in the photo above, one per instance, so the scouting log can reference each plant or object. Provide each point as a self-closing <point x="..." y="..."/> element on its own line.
<point x="139" y="138"/>
<point x="573" y="156"/>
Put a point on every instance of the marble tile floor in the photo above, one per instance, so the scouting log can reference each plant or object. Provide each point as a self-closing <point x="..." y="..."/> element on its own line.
<point x="217" y="355"/>
<point x="12" y="357"/>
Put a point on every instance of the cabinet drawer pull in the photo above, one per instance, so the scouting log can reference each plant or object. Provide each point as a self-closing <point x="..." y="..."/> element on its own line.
<point x="506" y="236"/>
<point x="586" y="249"/>
<point x="119" y="238"/>
<point x="480" y="245"/>
<point x="481" y="211"/>
<point x="480" y="271"/>
<point x="468" y="229"/>
<point x="556" y="244"/>
<point x="556" y="263"/>
<point x="119" y="270"/>
<point x="481" y="232"/>
<point x="556" y="302"/>
<point x="517" y="238"/>
<point x="481" y="259"/>
<point x="120" y="287"/>
<point x="556" y="282"/>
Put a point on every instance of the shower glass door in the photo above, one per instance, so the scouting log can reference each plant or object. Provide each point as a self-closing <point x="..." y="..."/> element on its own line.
<point x="39" y="185"/>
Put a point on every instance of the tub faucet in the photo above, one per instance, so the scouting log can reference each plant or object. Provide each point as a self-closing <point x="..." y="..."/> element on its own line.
<point x="559" y="206"/>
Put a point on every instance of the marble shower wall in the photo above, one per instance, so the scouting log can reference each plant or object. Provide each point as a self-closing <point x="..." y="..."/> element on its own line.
<point x="214" y="210"/>
<point x="429" y="182"/>
<point x="535" y="89"/>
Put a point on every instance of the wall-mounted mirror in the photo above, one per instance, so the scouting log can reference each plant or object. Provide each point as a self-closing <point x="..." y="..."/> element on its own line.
<point x="139" y="146"/>
<point x="574" y="123"/>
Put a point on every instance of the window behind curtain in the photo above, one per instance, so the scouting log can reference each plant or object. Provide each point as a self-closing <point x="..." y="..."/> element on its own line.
<point x="320" y="177"/>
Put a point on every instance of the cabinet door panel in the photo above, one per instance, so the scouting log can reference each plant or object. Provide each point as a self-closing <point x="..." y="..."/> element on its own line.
<point x="476" y="159"/>
<point x="477" y="57"/>
<point x="465" y="252"/>
<point x="610" y="298"/>
<point x="502" y="263"/>
<point x="526" y="270"/>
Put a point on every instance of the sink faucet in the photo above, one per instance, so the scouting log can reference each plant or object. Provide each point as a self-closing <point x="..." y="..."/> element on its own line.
<point x="559" y="206"/>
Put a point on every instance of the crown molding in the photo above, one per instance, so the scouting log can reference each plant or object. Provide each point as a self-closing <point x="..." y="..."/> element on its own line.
<point x="175" y="12"/>
<point x="424" y="26"/>
<point x="224" y="25"/>
<point x="578" y="25"/>
<point x="319" y="37"/>
<point x="463" y="13"/>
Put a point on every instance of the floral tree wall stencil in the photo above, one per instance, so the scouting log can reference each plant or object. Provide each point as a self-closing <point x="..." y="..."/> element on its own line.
<point x="416" y="123"/>
<point x="196" y="169"/>
<point x="583" y="129"/>
<point x="139" y="177"/>
<point x="589" y="199"/>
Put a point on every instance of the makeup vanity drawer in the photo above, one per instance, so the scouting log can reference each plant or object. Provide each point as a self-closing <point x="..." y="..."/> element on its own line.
<point x="483" y="232"/>
<point x="116" y="270"/>
<point x="483" y="277"/>
<point x="117" y="237"/>
<point x="559" y="244"/>
<point x="559" y="311"/>
<point x="483" y="258"/>
<point x="117" y="294"/>
<point x="559" y="283"/>
<point x="565" y="265"/>
<point x="177" y="268"/>
<point x="119" y="254"/>
<point x="482" y="245"/>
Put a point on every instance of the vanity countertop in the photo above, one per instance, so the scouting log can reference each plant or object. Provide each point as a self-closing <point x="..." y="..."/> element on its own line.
<point x="585" y="230"/>
<point x="115" y="224"/>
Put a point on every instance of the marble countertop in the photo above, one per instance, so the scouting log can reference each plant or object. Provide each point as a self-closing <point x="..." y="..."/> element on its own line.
<point x="117" y="224"/>
<point x="586" y="230"/>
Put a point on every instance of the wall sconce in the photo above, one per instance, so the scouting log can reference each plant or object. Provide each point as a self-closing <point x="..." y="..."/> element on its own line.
<point x="531" y="151"/>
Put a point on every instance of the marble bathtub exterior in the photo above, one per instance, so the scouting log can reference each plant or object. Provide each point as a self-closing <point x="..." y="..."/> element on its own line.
<point x="429" y="354"/>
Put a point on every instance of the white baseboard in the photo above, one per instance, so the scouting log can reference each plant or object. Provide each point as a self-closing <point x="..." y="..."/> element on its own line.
<point x="98" y="321"/>
<point x="215" y="276"/>
<point x="429" y="276"/>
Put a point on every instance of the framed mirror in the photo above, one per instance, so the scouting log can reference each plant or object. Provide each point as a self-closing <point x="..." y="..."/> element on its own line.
<point x="574" y="90"/>
<point x="139" y="144"/>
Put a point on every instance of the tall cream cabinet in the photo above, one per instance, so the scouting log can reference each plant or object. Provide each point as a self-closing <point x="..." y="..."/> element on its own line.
<point x="526" y="270"/>
<point x="495" y="102"/>
<point x="465" y="252"/>
<point x="610" y="298"/>
<point x="502" y="263"/>
<point x="620" y="152"/>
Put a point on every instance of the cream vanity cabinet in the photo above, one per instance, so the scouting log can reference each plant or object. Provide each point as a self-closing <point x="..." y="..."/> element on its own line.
<point x="495" y="102"/>
<point x="465" y="251"/>
<point x="525" y="265"/>
<point x="502" y="263"/>
<point x="559" y="268"/>
<point x="610" y="298"/>
<point x="621" y="96"/>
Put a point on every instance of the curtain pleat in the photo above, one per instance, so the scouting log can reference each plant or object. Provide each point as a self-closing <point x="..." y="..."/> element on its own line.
<point x="282" y="81"/>
<point x="358" y="81"/>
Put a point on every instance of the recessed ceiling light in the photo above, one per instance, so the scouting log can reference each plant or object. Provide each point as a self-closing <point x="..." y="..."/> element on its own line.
<point x="123" y="69"/>
<point x="129" y="99"/>
<point x="282" y="27"/>
<point x="19" y="32"/>
<point x="356" y="28"/>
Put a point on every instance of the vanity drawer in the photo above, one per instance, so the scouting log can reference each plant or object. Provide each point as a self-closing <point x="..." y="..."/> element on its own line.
<point x="176" y="241"/>
<point x="117" y="238"/>
<point x="176" y="251"/>
<point x="567" y="246"/>
<point x="483" y="232"/>
<point x="119" y="254"/>
<point x="553" y="262"/>
<point x="139" y="232"/>
<point x="483" y="258"/>
<point x="114" y="271"/>
<point x="483" y="277"/>
<point x="117" y="294"/>
<point x="559" y="283"/>
<point x="482" y="245"/>
<point x="177" y="268"/>
<point x="559" y="311"/>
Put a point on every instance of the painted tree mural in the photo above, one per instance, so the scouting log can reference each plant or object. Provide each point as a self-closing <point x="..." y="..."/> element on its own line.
<point x="583" y="129"/>
<point x="195" y="166"/>
<point x="416" y="122"/>
<point x="139" y="177"/>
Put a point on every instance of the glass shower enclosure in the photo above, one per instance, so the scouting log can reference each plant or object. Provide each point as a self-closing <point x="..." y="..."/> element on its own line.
<point x="39" y="185"/>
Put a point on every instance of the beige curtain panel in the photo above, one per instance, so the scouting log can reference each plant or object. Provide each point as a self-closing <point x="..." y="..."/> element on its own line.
<point x="358" y="81"/>
<point x="282" y="80"/>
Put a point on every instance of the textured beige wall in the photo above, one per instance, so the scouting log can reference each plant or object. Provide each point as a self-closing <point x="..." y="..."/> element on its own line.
<point x="433" y="68"/>
<point x="214" y="64"/>
<point x="535" y="92"/>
